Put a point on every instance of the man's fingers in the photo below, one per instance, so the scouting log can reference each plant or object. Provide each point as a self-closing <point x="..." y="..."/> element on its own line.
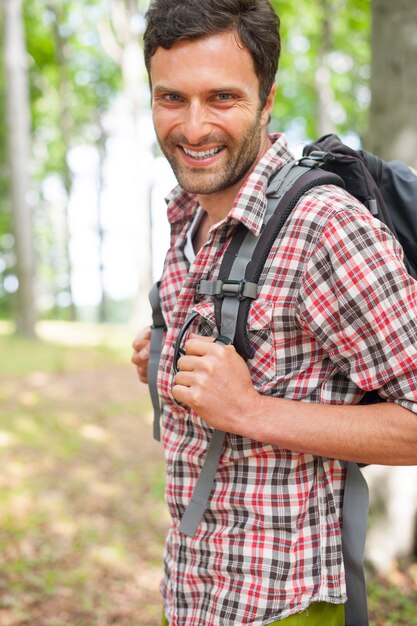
<point x="199" y="346"/>
<point x="202" y="337"/>
<point x="142" y="339"/>
<point x="182" y="394"/>
<point x="184" y="378"/>
<point x="188" y="363"/>
<point x="142" y="372"/>
<point x="141" y="356"/>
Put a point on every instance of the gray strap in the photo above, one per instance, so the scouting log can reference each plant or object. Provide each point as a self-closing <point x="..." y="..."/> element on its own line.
<point x="157" y="334"/>
<point x="194" y="512"/>
<point x="229" y="314"/>
<point x="153" y="363"/>
<point x="278" y="181"/>
<point x="284" y="181"/>
<point x="355" y="521"/>
<point x="201" y="494"/>
<point x="230" y="305"/>
<point x="280" y="184"/>
<point x="218" y="287"/>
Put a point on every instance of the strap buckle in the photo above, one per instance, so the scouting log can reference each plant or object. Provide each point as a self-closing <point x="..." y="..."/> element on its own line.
<point x="316" y="159"/>
<point x="233" y="289"/>
<point x="229" y="288"/>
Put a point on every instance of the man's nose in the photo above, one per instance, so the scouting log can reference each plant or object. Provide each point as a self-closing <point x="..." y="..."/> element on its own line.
<point x="196" y="125"/>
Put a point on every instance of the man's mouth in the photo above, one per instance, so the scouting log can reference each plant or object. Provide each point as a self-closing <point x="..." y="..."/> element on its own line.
<point x="202" y="154"/>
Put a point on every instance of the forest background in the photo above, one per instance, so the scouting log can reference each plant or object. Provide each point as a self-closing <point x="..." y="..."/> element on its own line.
<point x="82" y="236"/>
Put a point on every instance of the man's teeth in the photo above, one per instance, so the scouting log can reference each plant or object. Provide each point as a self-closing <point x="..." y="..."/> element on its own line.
<point x="202" y="154"/>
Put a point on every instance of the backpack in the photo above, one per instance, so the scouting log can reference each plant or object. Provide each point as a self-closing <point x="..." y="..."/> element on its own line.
<point x="389" y="191"/>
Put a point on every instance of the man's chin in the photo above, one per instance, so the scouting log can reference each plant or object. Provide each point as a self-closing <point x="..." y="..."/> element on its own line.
<point x="198" y="186"/>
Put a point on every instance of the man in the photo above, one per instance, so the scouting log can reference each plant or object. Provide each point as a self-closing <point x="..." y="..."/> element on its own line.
<point x="332" y="320"/>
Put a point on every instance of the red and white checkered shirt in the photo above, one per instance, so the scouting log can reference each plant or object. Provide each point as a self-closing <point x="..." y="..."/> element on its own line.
<point x="335" y="317"/>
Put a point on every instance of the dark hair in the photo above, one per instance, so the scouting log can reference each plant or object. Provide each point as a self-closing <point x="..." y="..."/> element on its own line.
<point x="254" y="21"/>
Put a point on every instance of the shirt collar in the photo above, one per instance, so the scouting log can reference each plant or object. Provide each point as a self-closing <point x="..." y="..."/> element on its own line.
<point x="181" y="205"/>
<point x="250" y="203"/>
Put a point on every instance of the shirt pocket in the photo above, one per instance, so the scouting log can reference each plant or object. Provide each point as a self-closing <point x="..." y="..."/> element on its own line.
<point x="207" y="319"/>
<point x="260" y="334"/>
<point x="262" y="366"/>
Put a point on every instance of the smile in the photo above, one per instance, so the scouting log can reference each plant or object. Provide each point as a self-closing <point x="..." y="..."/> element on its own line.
<point x="202" y="154"/>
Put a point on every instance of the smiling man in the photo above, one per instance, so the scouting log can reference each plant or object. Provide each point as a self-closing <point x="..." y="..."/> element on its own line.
<point x="268" y="549"/>
<point x="209" y="117"/>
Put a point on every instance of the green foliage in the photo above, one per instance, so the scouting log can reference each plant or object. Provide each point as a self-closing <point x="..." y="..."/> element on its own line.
<point x="393" y="603"/>
<point x="70" y="76"/>
<point x="304" y="34"/>
<point x="72" y="84"/>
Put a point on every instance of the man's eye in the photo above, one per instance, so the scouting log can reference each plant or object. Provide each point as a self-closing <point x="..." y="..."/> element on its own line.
<point x="172" y="97"/>
<point x="225" y="97"/>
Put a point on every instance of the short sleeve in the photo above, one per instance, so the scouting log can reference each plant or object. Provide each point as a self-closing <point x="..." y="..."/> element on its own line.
<point x="358" y="301"/>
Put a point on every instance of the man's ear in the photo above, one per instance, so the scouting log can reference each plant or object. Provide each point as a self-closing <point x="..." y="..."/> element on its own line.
<point x="269" y="104"/>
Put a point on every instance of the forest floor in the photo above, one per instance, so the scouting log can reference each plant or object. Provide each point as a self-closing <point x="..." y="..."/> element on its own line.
<point x="82" y="515"/>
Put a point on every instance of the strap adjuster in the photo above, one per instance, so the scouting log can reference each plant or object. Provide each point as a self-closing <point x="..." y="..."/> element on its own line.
<point x="316" y="159"/>
<point x="233" y="289"/>
<point x="229" y="288"/>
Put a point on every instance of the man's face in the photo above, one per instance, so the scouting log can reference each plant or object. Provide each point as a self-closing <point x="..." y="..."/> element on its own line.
<point x="206" y="111"/>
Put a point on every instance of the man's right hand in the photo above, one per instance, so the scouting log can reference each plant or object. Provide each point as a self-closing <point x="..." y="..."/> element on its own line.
<point x="140" y="356"/>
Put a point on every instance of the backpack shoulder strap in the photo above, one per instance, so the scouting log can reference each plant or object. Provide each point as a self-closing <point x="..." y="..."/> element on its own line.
<point x="157" y="332"/>
<point x="244" y="260"/>
<point x="234" y="289"/>
<point x="355" y="522"/>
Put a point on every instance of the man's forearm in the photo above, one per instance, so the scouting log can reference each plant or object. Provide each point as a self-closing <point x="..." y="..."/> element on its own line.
<point x="214" y="381"/>
<point x="384" y="433"/>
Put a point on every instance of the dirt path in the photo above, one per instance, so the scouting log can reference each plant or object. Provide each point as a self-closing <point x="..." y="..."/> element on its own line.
<point x="82" y="519"/>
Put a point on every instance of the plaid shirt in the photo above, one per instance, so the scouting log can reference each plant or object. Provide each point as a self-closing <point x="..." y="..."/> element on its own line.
<point x="335" y="317"/>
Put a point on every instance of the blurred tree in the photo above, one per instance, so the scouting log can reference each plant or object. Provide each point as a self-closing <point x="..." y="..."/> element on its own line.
<point x="325" y="67"/>
<point x="325" y="93"/>
<point x="122" y="40"/>
<point x="73" y="82"/>
<point x="393" y="122"/>
<point x="393" y="135"/>
<point x="18" y="131"/>
<point x="7" y="257"/>
<point x="61" y="57"/>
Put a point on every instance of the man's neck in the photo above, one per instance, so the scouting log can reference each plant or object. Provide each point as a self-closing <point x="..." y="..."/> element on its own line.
<point x="217" y="205"/>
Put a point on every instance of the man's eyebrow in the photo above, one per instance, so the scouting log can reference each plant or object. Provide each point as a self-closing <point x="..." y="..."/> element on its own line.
<point x="163" y="89"/>
<point x="225" y="89"/>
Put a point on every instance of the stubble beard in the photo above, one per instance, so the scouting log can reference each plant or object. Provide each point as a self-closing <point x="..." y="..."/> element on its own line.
<point x="242" y="156"/>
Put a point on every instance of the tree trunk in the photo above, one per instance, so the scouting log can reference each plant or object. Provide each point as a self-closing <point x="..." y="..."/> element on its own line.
<point x="64" y="88"/>
<point x="393" y="135"/>
<point x="393" y="121"/>
<point x="18" y="130"/>
<point x="325" y="96"/>
<point x="103" y="310"/>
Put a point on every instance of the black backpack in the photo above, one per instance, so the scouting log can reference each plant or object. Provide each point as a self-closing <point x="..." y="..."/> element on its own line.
<point x="389" y="191"/>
